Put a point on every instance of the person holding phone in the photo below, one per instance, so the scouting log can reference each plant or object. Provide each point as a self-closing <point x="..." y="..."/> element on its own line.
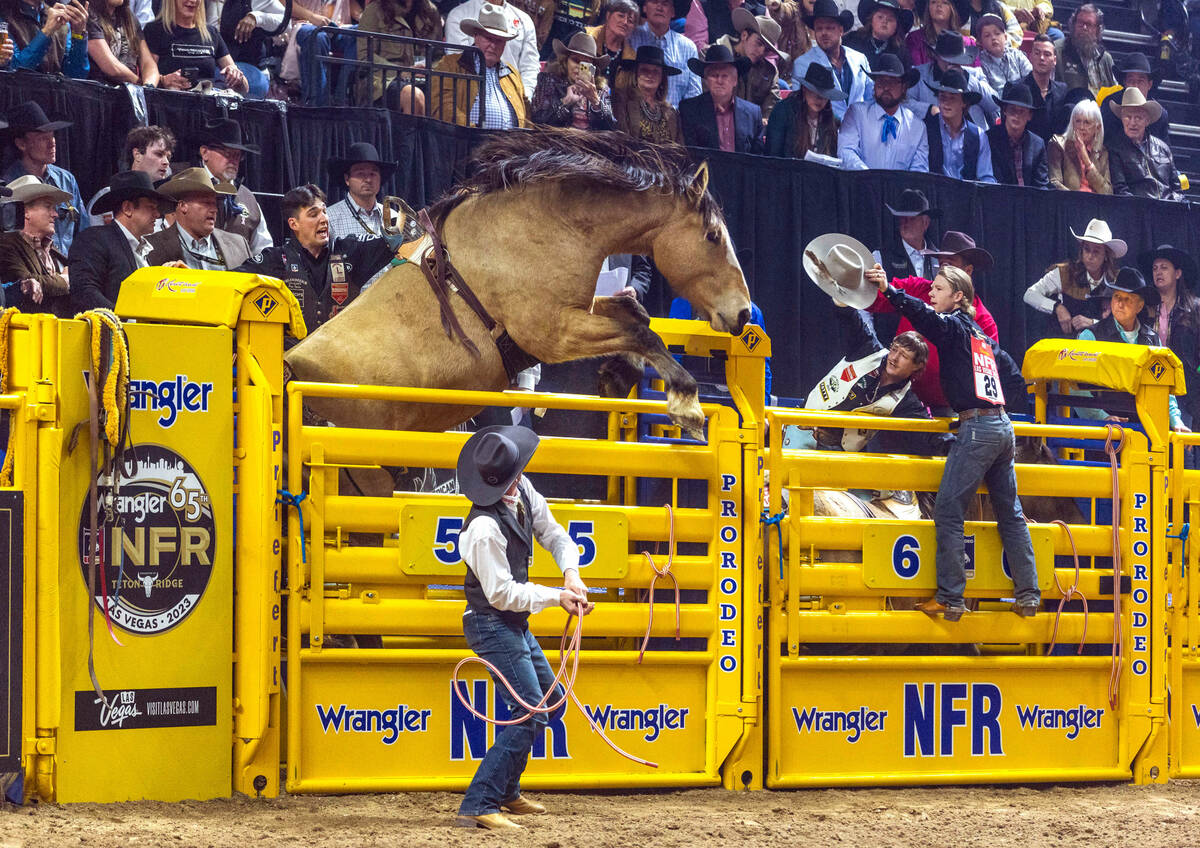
<point x="573" y="91"/>
<point x="46" y="37"/>
<point x="187" y="49"/>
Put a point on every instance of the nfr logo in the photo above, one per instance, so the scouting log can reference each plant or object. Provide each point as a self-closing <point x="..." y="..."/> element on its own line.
<point x="469" y="735"/>
<point x="932" y="711"/>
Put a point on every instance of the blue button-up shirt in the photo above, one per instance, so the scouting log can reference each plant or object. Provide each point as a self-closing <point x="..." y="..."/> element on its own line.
<point x="861" y="145"/>
<point x="677" y="49"/>
<point x="952" y="154"/>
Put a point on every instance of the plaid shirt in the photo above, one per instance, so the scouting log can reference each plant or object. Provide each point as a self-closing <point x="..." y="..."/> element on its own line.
<point x="676" y="49"/>
<point x="498" y="114"/>
<point x="347" y="221"/>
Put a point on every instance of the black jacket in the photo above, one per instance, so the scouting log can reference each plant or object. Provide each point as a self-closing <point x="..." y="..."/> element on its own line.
<point x="1052" y="118"/>
<point x="720" y="17"/>
<point x="1033" y="158"/>
<point x="698" y="122"/>
<point x="1113" y="126"/>
<point x="1143" y="174"/>
<point x="100" y="261"/>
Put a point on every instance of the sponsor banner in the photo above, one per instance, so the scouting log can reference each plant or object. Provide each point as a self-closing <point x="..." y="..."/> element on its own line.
<point x="12" y="625"/>
<point x="136" y="709"/>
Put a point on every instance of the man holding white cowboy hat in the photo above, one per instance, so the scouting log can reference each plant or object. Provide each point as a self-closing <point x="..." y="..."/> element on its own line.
<point x="503" y="104"/>
<point x="521" y="49"/>
<point x="1139" y="163"/>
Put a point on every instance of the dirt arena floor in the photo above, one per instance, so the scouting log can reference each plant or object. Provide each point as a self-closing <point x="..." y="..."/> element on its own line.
<point x="1028" y="816"/>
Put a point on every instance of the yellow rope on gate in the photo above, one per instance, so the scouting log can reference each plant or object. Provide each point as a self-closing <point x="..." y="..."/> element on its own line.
<point x="6" y="469"/>
<point x="116" y="383"/>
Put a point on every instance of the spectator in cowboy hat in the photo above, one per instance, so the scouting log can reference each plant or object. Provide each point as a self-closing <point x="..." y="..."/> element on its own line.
<point x="1000" y="61"/>
<point x="1078" y="159"/>
<point x="1134" y="71"/>
<point x="193" y="240"/>
<point x="885" y="25"/>
<point x="909" y="253"/>
<point x="718" y="15"/>
<point x="502" y="104"/>
<point x="677" y="49"/>
<point x="1069" y="291"/>
<point x="851" y="70"/>
<point x="28" y="256"/>
<point x="221" y="152"/>
<point x="756" y="41"/>
<point x="643" y="111"/>
<point x="805" y="120"/>
<point x="950" y="53"/>
<point x="364" y="173"/>
<point x="885" y="133"/>
<point x="521" y="50"/>
<point x="612" y="36"/>
<point x="1141" y="164"/>
<point x="31" y="134"/>
<point x="1018" y="156"/>
<point x="573" y="91"/>
<point x="1176" y="318"/>
<point x="957" y="147"/>
<point x="937" y="17"/>
<point x="103" y="256"/>
<point x="507" y="514"/>
<point x="718" y="118"/>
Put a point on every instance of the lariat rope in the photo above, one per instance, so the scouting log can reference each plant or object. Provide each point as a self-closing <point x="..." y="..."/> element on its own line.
<point x="1071" y="591"/>
<point x="665" y="571"/>
<point x="1118" y="649"/>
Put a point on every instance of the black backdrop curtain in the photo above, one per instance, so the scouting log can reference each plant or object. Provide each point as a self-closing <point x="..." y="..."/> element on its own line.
<point x="773" y="206"/>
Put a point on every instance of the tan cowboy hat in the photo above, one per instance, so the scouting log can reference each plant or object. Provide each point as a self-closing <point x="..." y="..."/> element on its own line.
<point x="1132" y="98"/>
<point x="491" y="20"/>
<point x="767" y="27"/>
<point x="838" y="264"/>
<point x="194" y="181"/>
<point x="1097" y="232"/>
<point x="582" y="46"/>
<point x="28" y="187"/>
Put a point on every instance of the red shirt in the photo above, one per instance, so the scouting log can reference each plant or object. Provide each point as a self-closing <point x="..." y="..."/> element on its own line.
<point x="725" y="132"/>
<point x="928" y="385"/>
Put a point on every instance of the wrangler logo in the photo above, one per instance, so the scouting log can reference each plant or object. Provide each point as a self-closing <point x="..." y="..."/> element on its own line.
<point x="652" y="721"/>
<point x="391" y="723"/>
<point x="853" y="723"/>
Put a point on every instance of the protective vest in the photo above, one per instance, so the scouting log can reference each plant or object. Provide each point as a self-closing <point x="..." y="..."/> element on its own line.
<point x="518" y="548"/>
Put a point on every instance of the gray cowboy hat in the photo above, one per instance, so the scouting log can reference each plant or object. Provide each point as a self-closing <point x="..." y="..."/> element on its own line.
<point x="1131" y="281"/>
<point x="492" y="20"/>
<point x="492" y="459"/>
<point x="582" y="46"/>
<point x="28" y="187"/>
<point x="838" y="264"/>
<point x="128" y="185"/>
<point x="361" y="152"/>
<point x="1132" y="98"/>
<point x="1177" y="257"/>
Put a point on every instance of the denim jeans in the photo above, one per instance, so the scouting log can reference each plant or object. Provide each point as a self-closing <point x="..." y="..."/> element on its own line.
<point x="983" y="452"/>
<point x="314" y="84"/>
<point x="512" y="649"/>
<point x="260" y="81"/>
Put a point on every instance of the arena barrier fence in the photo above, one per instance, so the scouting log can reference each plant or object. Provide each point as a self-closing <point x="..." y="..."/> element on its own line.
<point x="386" y="718"/>
<point x="840" y="713"/>
<point x="1183" y="608"/>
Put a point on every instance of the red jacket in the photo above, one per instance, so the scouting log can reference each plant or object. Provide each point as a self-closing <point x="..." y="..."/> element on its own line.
<point x="928" y="386"/>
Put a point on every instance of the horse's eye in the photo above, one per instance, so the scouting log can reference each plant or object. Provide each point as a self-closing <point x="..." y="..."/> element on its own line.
<point x="713" y="237"/>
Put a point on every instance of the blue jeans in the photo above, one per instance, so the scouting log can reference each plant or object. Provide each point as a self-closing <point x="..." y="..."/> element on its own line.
<point x="983" y="452"/>
<point x="512" y="649"/>
<point x="314" y="80"/>
<point x="260" y="82"/>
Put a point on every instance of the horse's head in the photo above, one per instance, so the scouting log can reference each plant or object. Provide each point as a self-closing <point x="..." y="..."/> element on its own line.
<point x="694" y="252"/>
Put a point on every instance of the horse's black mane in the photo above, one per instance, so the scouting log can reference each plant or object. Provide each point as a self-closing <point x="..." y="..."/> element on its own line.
<point x="610" y="160"/>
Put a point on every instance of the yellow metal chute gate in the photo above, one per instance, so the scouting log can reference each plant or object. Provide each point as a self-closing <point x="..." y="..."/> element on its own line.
<point x="842" y="713"/>
<point x="386" y="718"/>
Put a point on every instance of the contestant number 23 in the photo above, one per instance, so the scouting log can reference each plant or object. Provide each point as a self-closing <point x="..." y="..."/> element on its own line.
<point x="445" y="540"/>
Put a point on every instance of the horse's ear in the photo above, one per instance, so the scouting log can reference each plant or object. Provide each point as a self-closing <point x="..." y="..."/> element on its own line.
<point x="699" y="184"/>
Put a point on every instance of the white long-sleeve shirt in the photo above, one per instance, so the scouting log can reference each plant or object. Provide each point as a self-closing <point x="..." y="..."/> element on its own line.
<point x="1045" y="294"/>
<point x="520" y="52"/>
<point x="484" y="549"/>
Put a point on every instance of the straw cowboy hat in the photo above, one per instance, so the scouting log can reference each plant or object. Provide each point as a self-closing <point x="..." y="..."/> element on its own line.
<point x="1131" y="281"/>
<point x="581" y="46"/>
<point x="194" y="181"/>
<point x="954" y="81"/>
<point x="963" y="246"/>
<point x="361" y="152"/>
<point x="890" y="65"/>
<point x="492" y="21"/>
<point x="650" y="54"/>
<point x="1178" y="258"/>
<point x="491" y="459"/>
<point x="768" y="28"/>
<point x="1097" y="232"/>
<point x="1132" y="98"/>
<point x="912" y="203"/>
<point x="27" y="188"/>
<point x="129" y="185"/>
<point x="838" y="264"/>
<point x="819" y="80"/>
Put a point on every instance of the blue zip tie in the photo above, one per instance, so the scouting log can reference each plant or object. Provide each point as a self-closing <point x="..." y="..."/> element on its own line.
<point x="288" y="499"/>
<point x="775" y="519"/>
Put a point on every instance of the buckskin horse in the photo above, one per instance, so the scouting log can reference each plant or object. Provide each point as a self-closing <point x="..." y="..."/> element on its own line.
<point x="527" y="234"/>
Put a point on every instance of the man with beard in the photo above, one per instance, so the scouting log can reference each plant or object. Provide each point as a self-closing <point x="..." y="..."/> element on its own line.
<point x="885" y="134"/>
<point x="221" y="151"/>
<point x="1082" y="60"/>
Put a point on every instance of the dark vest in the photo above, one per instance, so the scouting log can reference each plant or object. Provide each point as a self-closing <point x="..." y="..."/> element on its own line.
<point x="1077" y="298"/>
<point x="518" y="547"/>
<point x="896" y="262"/>
<point x="319" y="299"/>
<point x="933" y="130"/>
<point x="1106" y="331"/>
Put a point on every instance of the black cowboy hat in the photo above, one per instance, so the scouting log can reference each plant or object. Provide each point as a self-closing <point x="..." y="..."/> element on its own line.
<point x="224" y="133"/>
<point x="1138" y="63"/>
<point x="650" y="54"/>
<point x="913" y="202"/>
<point x="904" y="17"/>
<point x="829" y="9"/>
<point x="1131" y="281"/>
<point x="29" y="117"/>
<point x="361" y="152"/>
<point x="1178" y="258"/>
<point x="955" y="243"/>
<point x="954" y="81"/>
<point x="128" y="185"/>
<point x="491" y="459"/>
<point x="718" y="54"/>
<point x="890" y="65"/>
<point x="819" y="80"/>
<point x="949" y="47"/>
<point x="1017" y="94"/>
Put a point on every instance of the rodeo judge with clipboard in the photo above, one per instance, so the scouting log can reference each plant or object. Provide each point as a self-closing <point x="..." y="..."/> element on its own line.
<point x="984" y="448"/>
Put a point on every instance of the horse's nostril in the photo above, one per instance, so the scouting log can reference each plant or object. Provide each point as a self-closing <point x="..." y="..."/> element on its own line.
<point x="743" y="319"/>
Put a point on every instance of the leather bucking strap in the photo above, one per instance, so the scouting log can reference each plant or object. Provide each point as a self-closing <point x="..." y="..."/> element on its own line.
<point x="444" y="278"/>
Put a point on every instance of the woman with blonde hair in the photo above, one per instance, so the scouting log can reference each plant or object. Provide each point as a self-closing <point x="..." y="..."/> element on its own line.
<point x="187" y="49"/>
<point x="1078" y="159"/>
<point x="936" y="16"/>
<point x="1071" y="292"/>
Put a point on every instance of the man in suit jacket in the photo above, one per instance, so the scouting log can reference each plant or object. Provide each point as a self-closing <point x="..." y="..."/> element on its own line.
<point x="851" y="69"/>
<point x="718" y="118"/>
<point x="1018" y="156"/>
<point x="1049" y="94"/>
<point x="102" y="257"/>
<point x="193" y="239"/>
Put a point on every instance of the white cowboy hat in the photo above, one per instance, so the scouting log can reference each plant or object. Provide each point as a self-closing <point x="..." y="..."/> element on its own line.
<point x="491" y="20"/>
<point x="838" y="264"/>
<point x="1097" y="232"/>
<point x="28" y="187"/>
<point x="1132" y="98"/>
